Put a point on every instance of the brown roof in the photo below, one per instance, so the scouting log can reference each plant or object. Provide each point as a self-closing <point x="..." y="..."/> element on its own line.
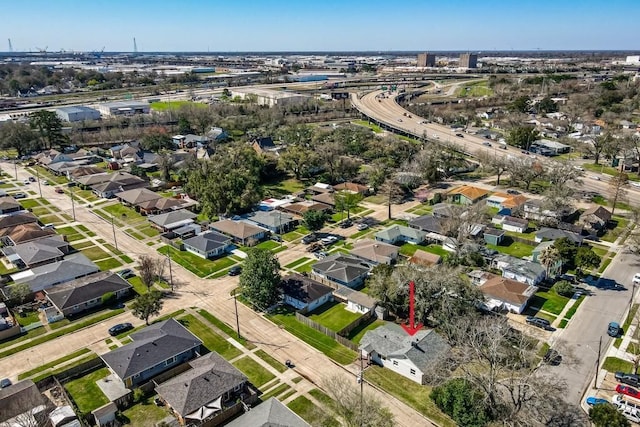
<point x="598" y="211"/>
<point x="470" y="192"/>
<point x="163" y="203"/>
<point x="424" y="258"/>
<point x="17" y="219"/>
<point x="351" y="186"/>
<point x="326" y="198"/>
<point x="239" y="229"/>
<point x="26" y="232"/>
<point x="300" y="208"/>
<point x="511" y="200"/>
<point x="507" y="290"/>
<point x="85" y="170"/>
<point x="137" y="196"/>
<point x="374" y="250"/>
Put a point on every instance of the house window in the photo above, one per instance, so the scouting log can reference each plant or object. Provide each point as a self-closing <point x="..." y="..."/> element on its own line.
<point x="412" y="371"/>
<point x="395" y="363"/>
<point x="169" y="361"/>
<point x="136" y="376"/>
<point x="238" y="387"/>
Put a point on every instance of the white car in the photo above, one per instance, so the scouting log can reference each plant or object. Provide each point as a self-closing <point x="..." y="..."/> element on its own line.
<point x="636" y="279"/>
<point x="329" y="240"/>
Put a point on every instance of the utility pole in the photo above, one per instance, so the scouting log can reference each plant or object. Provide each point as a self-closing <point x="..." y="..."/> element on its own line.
<point x="38" y="178"/>
<point x="235" y="303"/>
<point x="361" y="380"/>
<point x="595" y="381"/>
<point x="73" y="203"/>
<point x="170" y="271"/>
<point x="113" y="228"/>
<point x="15" y="168"/>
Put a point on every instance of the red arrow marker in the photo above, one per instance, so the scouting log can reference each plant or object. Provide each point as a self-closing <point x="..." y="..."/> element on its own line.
<point x="412" y="328"/>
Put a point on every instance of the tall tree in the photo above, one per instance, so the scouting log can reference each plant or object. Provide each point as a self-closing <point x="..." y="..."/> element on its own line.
<point x="298" y="160"/>
<point x="618" y="189"/>
<point x="49" y="127"/>
<point x="314" y="220"/>
<point x="347" y="201"/>
<point x="260" y="278"/>
<point x="586" y="258"/>
<point x="607" y="415"/>
<point x="522" y="136"/>
<point x="150" y="269"/>
<point x="548" y="258"/>
<point x="147" y="305"/>
<point x="18" y="136"/>
<point x="156" y="139"/>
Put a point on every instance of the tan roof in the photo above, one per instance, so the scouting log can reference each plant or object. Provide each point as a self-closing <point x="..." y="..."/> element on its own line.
<point x="598" y="211"/>
<point x="239" y="229"/>
<point x="301" y="207"/>
<point x="26" y="232"/>
<point x="326" y="198"/>
<point x="137" y="196"/>
<point x="374" y="250"/>
<point x="163" y="203"/>
<point x="424" y="258"/>
<point x="351" y="186"/>
<point x="507" y="290"/>
<point x="470" y="192"/>
<point x="511" y="200"/>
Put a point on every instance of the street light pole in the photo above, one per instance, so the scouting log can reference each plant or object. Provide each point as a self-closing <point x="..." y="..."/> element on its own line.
<point x="38" y="178"/>
<point x="113" y="228"/>
<point x="73" y="203"/>
<point x="235" y="303"/>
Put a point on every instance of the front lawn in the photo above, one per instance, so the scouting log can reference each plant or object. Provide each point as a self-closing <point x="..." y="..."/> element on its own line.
<point x="258" y="376"/>
<point x="549" y="301"/>
<point x="409" y="249"/>
<point x="94" y="253"/>
<point x="306" y="410"/>
<point x="138" y="286"/>
<point x="108" y="264"/>
<point x="613" y="364"/>
<point x="297" y="262"/>
<point x="333" y="315"/>
<point x="85" y="392"/>
<point x="199" y="266"/>
<point x="268" y="244"/>
<point x="271" y="360"/>
<point x="210" y="339"/>
<point x="513" y="248"/>
<point x="410" y="392"/>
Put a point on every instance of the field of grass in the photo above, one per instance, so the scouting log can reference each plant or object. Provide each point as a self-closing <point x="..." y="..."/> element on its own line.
<point x="333" y="315"/>
<point x="268" y="244"/>
<point x="357" y="333"/>
<point x="284" y="187"/>
<point x="175" y="105"/>
<point x="144" y="414"/>
<point x="410" y="392"/>
<point x="210" y="339"/>
<point x="297" y="262"/>
<point x="271" y="360"/>
<point x="510" y="247"/>
<point x="86" y="393"/>
<point x="258" y="376"/>
<point x="52" y="364"/>
<point x="275" y="392"/>
<point x="373" y="127"/>
<point x="307" y="410"/>
<point x="94" y="253"/>
<point x="198" y="266"/>
<point x="108" y="264"/>
<point x="225" y="328"/>
<point x="474" y="89"/>
<point x="613" y="364"/>
<point x="409" y="249"/>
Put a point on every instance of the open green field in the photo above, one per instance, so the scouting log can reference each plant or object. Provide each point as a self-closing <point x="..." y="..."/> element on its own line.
<point x="198" y="266"/>
<point x="474" y="89"/>
<point x="210" y="339"/>
<point x="333" y="315"/>
<point x="175" y="105"/>
<point x="510" y="247"/>
<point x="258" y="376"/>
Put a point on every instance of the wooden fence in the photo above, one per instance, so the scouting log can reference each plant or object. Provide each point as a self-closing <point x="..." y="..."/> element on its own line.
<point x="328" y="332"/>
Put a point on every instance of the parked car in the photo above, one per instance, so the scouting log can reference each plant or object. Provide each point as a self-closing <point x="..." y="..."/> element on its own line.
<point x="26" y="182"/>
<point x="235" y="270"/>
<point x="346" y="223"/>
<point x="46" y="182"/>
<point x="631" y="415"/>
<point x="614" y="330"/>
<point x="486" y="144"/>
<point x="362" y="226"/>
<point x="328" y="240"/>
<point x="276" y="238"/>
<point x="32" y="179"/>
<point x="126" y="273"/>
<point x="120" y="328"/>
<point x="5" y="382"/>
<point x="513" y="192"/>
<point x="630" y="379"/>
<point x="309" y="238"/>
<point x="624" y="403"/>
<point x="636" y="279"/>
<point x="629" y="391"/>
<point x="59" y="190"/>
<point x="459" y="135"/>
<point x="552" y="357"/>
<point x="19" y="196"/>
<point x="538" y="322"/>
<point x="593" y="401"/>
<point x="321" y="254"/>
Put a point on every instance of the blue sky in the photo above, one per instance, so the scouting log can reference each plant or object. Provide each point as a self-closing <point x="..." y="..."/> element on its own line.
<point x="271" y="25"/>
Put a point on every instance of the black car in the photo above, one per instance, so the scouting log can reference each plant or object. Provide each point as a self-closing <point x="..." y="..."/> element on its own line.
<point x="5" y="382"/>
<point x="126" y="273"/>
<point x="235" y="270"/>
<point x="309" y="238"/>
<point x="276" y="238"/>
<point x="539" y="322"/>
<point x="346" y="223"/>
<point x="120" y="328"/>
<point x="630" y="379"/>
<point x="552" y="357"/>
<point x="459" y="135"/>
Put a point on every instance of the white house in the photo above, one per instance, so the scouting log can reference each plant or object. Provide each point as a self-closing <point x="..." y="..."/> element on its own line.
<point x="505" y="294"/>
<point x="304" y="293"/>
<point x="519" y="269"/>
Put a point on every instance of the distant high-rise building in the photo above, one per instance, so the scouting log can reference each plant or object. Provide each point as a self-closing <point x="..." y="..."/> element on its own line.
<point x="468" y="60"/>
<point x="426" y="60"/>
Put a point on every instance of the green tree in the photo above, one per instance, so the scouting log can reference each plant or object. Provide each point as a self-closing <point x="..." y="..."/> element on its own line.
<point x="298" y="160"/>
<point x="586" y="258"/>
<point x="108" y="298"/>
<point x="522" y="136"/>
<point x="138" y="171"/>
<point x="548" y="258"/>
<point x="567" y="250"/>
<point x="147" y="305"/>
<point x="18" y="136"/>
<point x="347" y="201"/>
<point x="462" y="401"/>
<point x="49" y="127"/>
<point x="563" y="288"/>
<point x="19" y="294"/>
<point x="156" y="139"/>
<point x="607" y="415"/>
<point x="260" y="278"/>
<point x="314" y="220"/>
<point x="547" y="105"/>
<point x="521" y="104"/>
<point x="184" y="127"/>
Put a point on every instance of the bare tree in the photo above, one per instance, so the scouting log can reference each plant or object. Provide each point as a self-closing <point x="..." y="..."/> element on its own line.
<point x="495" y="164"/>
<point x="150" y="269"/>
<point x="618" y="189"/>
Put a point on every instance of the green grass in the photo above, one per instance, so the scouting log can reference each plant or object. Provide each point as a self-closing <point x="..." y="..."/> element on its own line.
<point x="268" y="244"/>
<point x="81" y="245"/>
<point x="275" y="392"/>
<point x="563" y="323"/>
<point x="108" y="264"/>
<point x="373" y="127"/>
<point x="515" y="249"/>
<point x="199" y="266"/>
<point x="474" y="89"/>
<point x="85" y="392"/>
<point x="30" y="203"/>
<point x="572" y="310"/>
<point x="124" y="213"/>
<point x="410" y="392"/>
<point x="258" y="376"/>
<point x="145" y="413"/>
<point x="52" y="364"/>
<point x="357" y="333"/>
<point x="210" y="339"/>
<point x="627" y="322"/>
<point x="333" y="315"/>
<point x="549" y="301"/>
<point x="409" y="249"/>
<point x="291" y="236"/>
<point x="138" y="286"/>
<point x="175" y="105"/>
<point x="297" y="262"/>
<point x="322" y="397"/>
<point x="286" y="318"/>
<point x="225" y="328"/>
<point x="608" y="170"/>
<point x="271" y="360"/>
<point x="284" y="187"/>
<point x="604" y="265"/>
<point x="94" y="253"/>
<point x="613" y="364"/>
<point x="543" y="349"/>
<point x="307" y="410"/>
<point x="64" y="368"/>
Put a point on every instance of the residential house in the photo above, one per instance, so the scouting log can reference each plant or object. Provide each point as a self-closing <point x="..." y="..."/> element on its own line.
<point x="274" y="221"/>
<point x="353" y="187"/>
<point x="493" y="236"/>
<point x="441" y="211"/>
<point x="271" y="413"/>
<point x="37" y="252"/>
<point x="596" y="219"/>
<point x="9" y="205"/>
<point x="108" y="184"/>
<point x="327" y="198"/>
<point x="401" y="234"/>
<point x="154" y="349"/>
<point x="83" y="171"/>
<point x="209" y="393"/>
<point x="299" y="208"/>
<point x="555" y="234"/>
<point x="534" y="210"/>
<point x="173" y="219"/>
<point x="9" y="327"/>
<point x="304" y="293"/>
<point x="136" y="196"/>
<point x="506" y="201"/>
<point x="466" y="194"/>
<point x="265" y="145"/>
<point x="241" y="232"/>
<point x="393" y="348"/>
<point x="511" y="223"/>
<point x="217" y="134"/>
<point x="375" y="252"/>
<point x="162" y="205"/>
<point x="209" y="244"/>
<point x="319" y="188"/>
<point x="356" y="301"/>
<point x="424" y="258"/>
<point x="72" y="267"/>
<point x="24" y="233"/>
<point x="519" y="269"/>
<point x="85" y="293"/>
<point x="342" y="269"/>
<point x="17" y="218"/>
<point x="553" y="270"/>
<point x="191" y="141"/>
<point x="505" y="294"/>
<point x="22" y="404"/>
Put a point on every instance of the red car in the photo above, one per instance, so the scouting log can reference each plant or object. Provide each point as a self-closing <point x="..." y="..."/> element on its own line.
<point x="629" y="391"/>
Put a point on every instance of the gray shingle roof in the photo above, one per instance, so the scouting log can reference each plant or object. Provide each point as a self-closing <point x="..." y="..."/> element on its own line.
<point x="86" y="288"/>
<point x="44" y="276"/>
<point x="375" y="251"/>
<point x="207" y="241"/>
<point x="151" y="346"/>
<point x="428" y="223"/>
<point x="340" y="267"/>
<point x="303" y="288"/>
<point x="554" y="233"/>
<point x="38" y="251"/>
<point x="271" y="218"/>
<point x="210" y="377"/>
<point x="396" y="231"/>
<point x="7" y="203"/>
<point x="391" y="341"/>
<point x="181" y="216"/>
<point x="19" y="398"/>
<point x="22" y="217"/>
<point x="271" y="413"/>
